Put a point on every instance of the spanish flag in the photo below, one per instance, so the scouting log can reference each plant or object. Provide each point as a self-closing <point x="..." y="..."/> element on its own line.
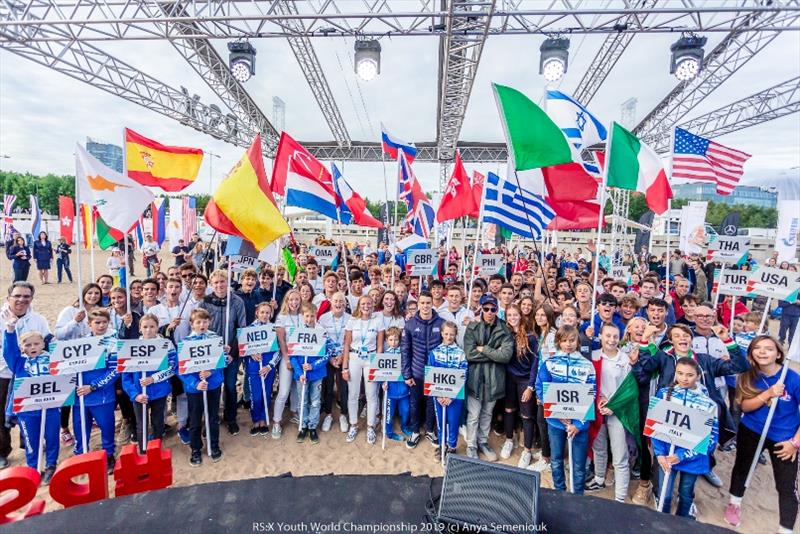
<point x="172" y="168"/>
<point x="87" y="225"/>
<point x="243" y="204"/>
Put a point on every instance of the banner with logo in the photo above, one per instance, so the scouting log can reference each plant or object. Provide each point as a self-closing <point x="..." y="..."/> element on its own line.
<point x="788" y="229"/>
<point x="693" y="228"/>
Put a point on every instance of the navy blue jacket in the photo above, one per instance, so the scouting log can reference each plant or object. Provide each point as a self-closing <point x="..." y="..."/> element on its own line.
<point x="528" y="365"/>
<point x="420" y="337"/>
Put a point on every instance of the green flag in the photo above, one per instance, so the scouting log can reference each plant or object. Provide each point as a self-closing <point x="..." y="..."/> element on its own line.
<point x="625" y="405"/>
<point x="104" y="237"/>
<point x="291" y="266"/>
<point x="532" y="137"/>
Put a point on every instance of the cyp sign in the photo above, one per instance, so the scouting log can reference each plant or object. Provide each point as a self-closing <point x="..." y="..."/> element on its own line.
<point x="77" y="355"/>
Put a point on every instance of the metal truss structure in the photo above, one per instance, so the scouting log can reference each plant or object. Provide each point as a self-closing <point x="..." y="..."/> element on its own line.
<point x="620" y="238"/>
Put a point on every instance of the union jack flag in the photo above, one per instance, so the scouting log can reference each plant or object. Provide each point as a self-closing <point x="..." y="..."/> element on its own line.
<point x="420" y="217"/>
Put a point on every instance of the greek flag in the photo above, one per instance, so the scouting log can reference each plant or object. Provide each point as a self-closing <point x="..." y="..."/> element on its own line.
<point x="581" y="127"/>
<point x="518" y="210"/>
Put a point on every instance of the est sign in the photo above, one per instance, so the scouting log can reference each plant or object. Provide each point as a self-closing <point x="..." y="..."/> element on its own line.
<point x="201" y="355"/>
<point x="729" y="249"/>
<point x="77" y="355"/>
<point x="776" y="283"/>
<point x="257" y="340"/>
<point x="34" y="393"/>
<point x="679" y="425"/>
<point x="444" y="382"/>
<point x="136" y="355"/>
<point x="324" y="255"/>
<point x="568" y="401"/>
<point x="304" y="341"/>
<point x="489" y="264"/>
<point x="421" y="262"/>
<point x="731" y="282"/>
<point x="240" y="264"/>
<point x="385" y="367"/>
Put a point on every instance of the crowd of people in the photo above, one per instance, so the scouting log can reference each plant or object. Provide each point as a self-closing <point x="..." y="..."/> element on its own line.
<point x="540" y="321"/>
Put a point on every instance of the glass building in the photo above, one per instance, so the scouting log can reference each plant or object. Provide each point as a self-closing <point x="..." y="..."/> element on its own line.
<point x="108" y="154"/>
<point x="743" y="194"/>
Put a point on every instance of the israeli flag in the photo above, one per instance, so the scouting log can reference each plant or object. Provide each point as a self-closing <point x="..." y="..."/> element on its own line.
<point x="581" y="127"/>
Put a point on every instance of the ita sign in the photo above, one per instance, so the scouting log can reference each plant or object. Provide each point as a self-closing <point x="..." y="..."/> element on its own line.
<point x="36" y="393"/>
<point x="257" y="340"/>
<point x="201" y="355"/>
<point x="385" y="367"/>
<point x="679" y="425"/>
<point x="420" y="262"/>
<point x="568" y="401"/>
<point x="445" y="382"/>
<point x="77" y="355"/>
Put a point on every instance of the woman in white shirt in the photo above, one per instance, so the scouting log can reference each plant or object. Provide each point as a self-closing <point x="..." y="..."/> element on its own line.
<point x="289" y="316"/>
<point x="389" y="312"/>
<point x="334" y="323"/>
<point x="363" y="335"/>
<point x="71" y="322"/>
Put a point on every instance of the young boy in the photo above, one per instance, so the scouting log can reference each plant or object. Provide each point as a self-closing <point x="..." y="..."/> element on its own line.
<point x="310" y="370"/>
<point x="157" y="383"/>
<point x="260" y="372"/>
<point x="98" y="388"/>
<point x="449" y="355"/>
<point x="195" y="384"/>
<point x="397" y="393"/>
<point x="31" y="360"/>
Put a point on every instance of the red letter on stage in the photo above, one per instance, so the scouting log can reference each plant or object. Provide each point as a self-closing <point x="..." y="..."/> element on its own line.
<point x="68" y="493"/>
<point x="24" y="481"/>
<point x="135" y="473"/>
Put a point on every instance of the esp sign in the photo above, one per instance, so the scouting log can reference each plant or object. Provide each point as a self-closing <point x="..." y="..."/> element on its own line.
<point x="240" y="264"/>
<point x="776" y="283"/>
<point x="324" y="255"/>
<point x="489" y="264"/>
<point x="680" y="425"/>
<point x="136" y="355"/>
<point x="304" y="341"/>
<point x="568" y="401"/>
<point x="421" y="262"/>
<point x="729" y="249"/>
<point x="77" y="355"/>
<point x="257" y="340"/>
<point x="35" y="393"/>
<point x="731" y="282"/>
<point x="201" y="355"/>
<point x="385" y="367"/>
<point x="445" y="382"/>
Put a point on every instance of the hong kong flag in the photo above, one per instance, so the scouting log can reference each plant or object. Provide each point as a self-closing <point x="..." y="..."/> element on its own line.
<point x="477" y="193"/>
<point x="457" y="200"/>
<point x="66" y="217"/>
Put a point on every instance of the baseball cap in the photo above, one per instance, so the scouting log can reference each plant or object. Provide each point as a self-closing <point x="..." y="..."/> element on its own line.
<point x="488" y="299"/>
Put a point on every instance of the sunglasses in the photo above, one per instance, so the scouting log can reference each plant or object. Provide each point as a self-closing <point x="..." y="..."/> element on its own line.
<point x="490" y="309"/>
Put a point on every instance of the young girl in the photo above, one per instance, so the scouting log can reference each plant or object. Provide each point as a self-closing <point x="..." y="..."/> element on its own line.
<point x="612" y="365"/>
<point x="260" y="371"/>
<point x="397" y="393"/>
<point x="756" y="390"/>
<point x="311" y="371"/>
<point x="545" y="329"/>
<point x="194" y="385"/>
<point x="289" y="316"/>
<point x="686" y="390"/>
<point x="451" y="356"/>
<point x="31" y="360"/>
<point x="157" y="383"/>
<point x="334" y="322"/>
<point x="567" y="366"/>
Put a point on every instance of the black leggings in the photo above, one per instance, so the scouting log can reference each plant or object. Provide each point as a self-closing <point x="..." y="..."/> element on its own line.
<point x="784" y="473"/>
<point x="515" y="388"/>
<point x="334" y="378"/>
<point x="544" y="436"/>
<point x="646" y="457"/>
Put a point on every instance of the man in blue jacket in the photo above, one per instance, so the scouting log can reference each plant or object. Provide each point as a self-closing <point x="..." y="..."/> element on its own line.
<point x="421" y="334"/>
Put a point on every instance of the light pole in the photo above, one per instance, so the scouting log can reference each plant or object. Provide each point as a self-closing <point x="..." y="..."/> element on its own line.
<point x="211" y="171"/>
<point x="4" y="156"/>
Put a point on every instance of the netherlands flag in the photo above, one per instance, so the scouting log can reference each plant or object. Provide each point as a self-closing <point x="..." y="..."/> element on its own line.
<point x="303" y="190"/>
<point x="352" y="208"/>
<point x="421" y="215"/>
<point x="392" y="145"/>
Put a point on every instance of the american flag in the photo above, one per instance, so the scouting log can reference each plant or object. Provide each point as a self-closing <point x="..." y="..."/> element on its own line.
<point x="189" y="214"/>
<point x="8" y="219"/>
<point x="698" y="158"/>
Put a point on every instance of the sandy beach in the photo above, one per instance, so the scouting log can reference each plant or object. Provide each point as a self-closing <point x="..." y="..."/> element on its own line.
<point x="252" y="457"/>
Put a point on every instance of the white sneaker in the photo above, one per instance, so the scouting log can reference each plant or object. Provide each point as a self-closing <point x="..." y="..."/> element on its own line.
<point x="344" y="425"/>
<point x="294" y="419"/>
<point x="371" y="437"/>
<point x="351" y="434"/>
<point x="326" y="423"/>
<point x="508" y="448"/>
<point x="524" y="459"/>
<point x="276" y="431"/>
<point x="541" y="466"/>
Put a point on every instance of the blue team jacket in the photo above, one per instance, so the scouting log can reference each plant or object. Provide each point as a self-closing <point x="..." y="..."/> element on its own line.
<point x="22" y="366"/>
<point x="319" y="364"/>
<point x="191" y="380"/>
<point x="565" y="369"/>
<point x="267" y="358"/>
<point x="102" y="380"/>
<point x="160" y="387"/>
<point x="397" y="390"/>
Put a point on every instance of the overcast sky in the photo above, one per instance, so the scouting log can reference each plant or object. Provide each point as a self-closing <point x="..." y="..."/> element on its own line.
<point x="43" y="113"/>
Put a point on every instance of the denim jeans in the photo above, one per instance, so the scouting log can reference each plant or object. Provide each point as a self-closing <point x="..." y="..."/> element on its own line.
<point x="311" y="404"/>
<point x="63" y="265"/>
<point x="685" y="491"/>
<point x="558" y="446"/>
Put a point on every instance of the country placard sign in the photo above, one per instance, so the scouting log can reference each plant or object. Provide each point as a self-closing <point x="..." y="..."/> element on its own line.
<point x="444" y="382"/>
<point x="137" y="355"/>
<point x="324" y="255"/>
<point x="779" y="284"/>
<point x="35" y="393"/>
<point x="489" y="264"/>
<point x="239" y="264"/>
<point x="304" y="341"/>
<point x="385" y="367"/>
<point x="421" y="262"/>
<point x="731" y="283"/>
<point x="201" y="355"/>
<point x="77" y="355"/>
<point x="729" y="249"/>
<point x="257" y="339"/>
<point x="568" y="401"/>
<point x="620" y="272"/>
<point x="679" y="425"/>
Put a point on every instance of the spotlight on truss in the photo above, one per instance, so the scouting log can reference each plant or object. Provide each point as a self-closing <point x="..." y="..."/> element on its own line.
<point x="242" y="60"/>
<point x="553" y="58"/>
<point x="687" y="57"/>
<point x="367" y="59"/>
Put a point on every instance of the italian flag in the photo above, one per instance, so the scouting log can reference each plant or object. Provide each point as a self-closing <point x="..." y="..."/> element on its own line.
<point x="634" y="165"/>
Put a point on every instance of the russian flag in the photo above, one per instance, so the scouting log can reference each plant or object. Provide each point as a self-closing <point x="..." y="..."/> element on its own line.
<point x="392" y="145"/>
<point x="159" y="214"/>
<point x="352" y="208"/>
<point x="303" y="190"/>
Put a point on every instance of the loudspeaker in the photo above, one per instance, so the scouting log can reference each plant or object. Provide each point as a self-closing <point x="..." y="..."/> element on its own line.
<point x="488" y="497"/>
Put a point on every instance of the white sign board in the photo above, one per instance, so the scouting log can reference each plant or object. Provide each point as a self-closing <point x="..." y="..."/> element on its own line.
<point x="731" y="283"/>
<point x="257" y="340"/>
<point x="136" y="355"/>
<point x="489" y="264"/>
<point x="675" y="423"/>
<point x="421" y="262"/>
<point x="385" y="367"/>
<point x="324" y="255"/>
<point x="77" y="355"/>
<point x="201" y="355"/>
<point x="568" y="401"/>
<point x="729" y="249"/>
<point x="776" y="283"/>
<point x="444" y="382"/>
<point x="239" y="264"/>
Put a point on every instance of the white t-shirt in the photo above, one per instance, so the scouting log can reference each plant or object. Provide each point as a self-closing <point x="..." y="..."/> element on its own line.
<point x="335" y="327"/>
<point x="387" y="322"/>
<point x="612" y="371"/>
<point x="364" y="339"/>
<point x="167" y="313"/>
<point x="150" y="249"/>
<point x="286" y="320"/>
<point x="458" y="317"/>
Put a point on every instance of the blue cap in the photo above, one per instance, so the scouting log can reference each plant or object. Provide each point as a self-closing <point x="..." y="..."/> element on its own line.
<point x="488" y="299"/>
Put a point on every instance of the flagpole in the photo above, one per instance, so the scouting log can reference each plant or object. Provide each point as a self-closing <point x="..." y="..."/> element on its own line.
<point x="463" y="255"/>
<point x="394" y="227"/>
<point x="596" y="266"/>
<point x="78" y="217"/>
<point x="91" y="243"/>
<point x="477" y="238"/>
<point x="669" y="208"/>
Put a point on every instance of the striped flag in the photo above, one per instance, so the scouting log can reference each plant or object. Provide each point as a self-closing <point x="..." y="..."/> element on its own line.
<point x="189" y="218"/>
<point x="87" y="225"/>
<point x="420" y="214"/>
<point x="698" y="158"/>
<point x="158" y="211"/>
<point x="518" y="210"/>
<point x="140" y="233"/>
<point x="8" y="219"/>
<point x="36" y="217"/>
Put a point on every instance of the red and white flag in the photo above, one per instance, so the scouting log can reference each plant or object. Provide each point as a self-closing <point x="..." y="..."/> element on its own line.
<point x="457" y="200"/>
<point x="477" y="193"/>
<point x="66" y="217"/>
